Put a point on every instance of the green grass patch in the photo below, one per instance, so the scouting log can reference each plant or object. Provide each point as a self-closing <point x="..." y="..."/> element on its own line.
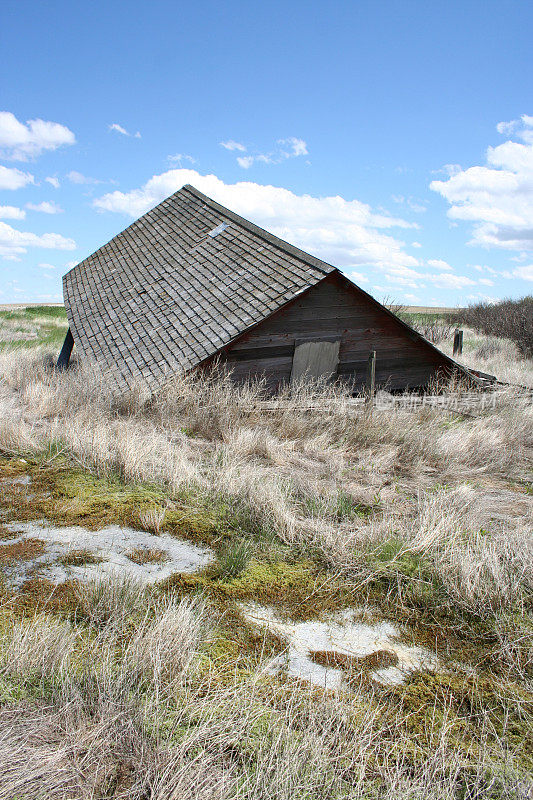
<point x="33" y="327"/>
<point x="232" y="559"/>
<point x="340" y="507"/>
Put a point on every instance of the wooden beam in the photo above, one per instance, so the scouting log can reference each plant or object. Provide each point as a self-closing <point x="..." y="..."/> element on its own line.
<point x="66" y="350"/>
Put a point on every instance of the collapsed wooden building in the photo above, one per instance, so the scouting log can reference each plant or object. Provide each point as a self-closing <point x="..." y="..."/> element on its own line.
<point x="191" y="282"/>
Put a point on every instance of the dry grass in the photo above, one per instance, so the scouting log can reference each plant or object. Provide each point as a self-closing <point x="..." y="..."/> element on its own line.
<point x="78" y="558"/>
<point x="153" y="518"/>
<point x="143" y="555"/>
<point x="24" y="550"/>
<point x="442" y="485"/>
<point x="429" y="511"/>
<point x="107" y="715"/>
<point x="495" y="356"/>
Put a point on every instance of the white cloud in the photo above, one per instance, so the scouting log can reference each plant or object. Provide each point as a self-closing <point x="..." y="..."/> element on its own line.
<point x="71" y="264"/>
<point x="297" y="146"/>
<point x="245" y="161"/>
<point x="77" y="177"/>
<point x="404" y="276"/>
<point x="452" y="169"/>
<point x="46" y="266"/>
<point x="119" y="129"/>
<point x="438" y="263"/>
<point x="447" y="281"/>
<point x="14" y="178"/>
<point x="45" y="207"/>
<point x="14" y="243"/>
<point x="497" y="197"/>
<point x="53" y="181"/>
<point x="483" y="268"/>
<point x="507" y="128"/>
<point x="233" y="145"/>
<point x="11" y="212"/>
<point x="410" y="202"/>
<point x="358" y="277"/>
<point x="486" y="282"/>
<point x="526" y="272"/>
<point x="346" y="233"/>
<point x="522" y="127"/>
<point x="286" y="148"/>
<point x="178" y="158"/>
<point x="19" y="142"/>
<point x="416" y="244"/>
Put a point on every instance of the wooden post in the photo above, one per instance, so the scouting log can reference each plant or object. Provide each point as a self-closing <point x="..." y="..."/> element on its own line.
<point x="458" y="343"/>
<point x="66" y="350"/>
<point x="371" y="377"/>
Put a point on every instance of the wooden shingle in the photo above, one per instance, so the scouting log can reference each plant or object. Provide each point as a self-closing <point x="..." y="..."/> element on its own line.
<point x="165" y="290"/>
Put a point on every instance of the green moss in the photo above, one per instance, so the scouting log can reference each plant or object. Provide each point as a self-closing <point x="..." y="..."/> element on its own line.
<point x="476" y="709"/>
<point x="273" y="581"/>
<point x="97" y="501"/>
<point x="238" y="646"/>
<point x="298" y="588"/>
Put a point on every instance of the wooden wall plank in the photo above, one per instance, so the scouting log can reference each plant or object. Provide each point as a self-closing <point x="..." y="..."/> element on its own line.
<point x="334" y="309"/>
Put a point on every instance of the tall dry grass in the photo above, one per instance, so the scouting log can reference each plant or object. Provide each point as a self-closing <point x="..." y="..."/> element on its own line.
<point x="145" y="716"/>
<point x="448" y="486"/>
<point x="125" y="702"/>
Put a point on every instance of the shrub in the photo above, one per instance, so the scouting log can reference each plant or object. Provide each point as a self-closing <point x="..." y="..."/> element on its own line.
<point x="434" y="329"/>
<point x="510" y="319"/>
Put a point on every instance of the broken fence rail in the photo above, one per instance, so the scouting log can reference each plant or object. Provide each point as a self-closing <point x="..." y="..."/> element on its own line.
<point x="466" y="403"/>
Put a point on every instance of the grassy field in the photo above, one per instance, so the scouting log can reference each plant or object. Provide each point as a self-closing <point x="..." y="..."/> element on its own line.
<point x="33" y="326"/>
<point x="418" y="519"/>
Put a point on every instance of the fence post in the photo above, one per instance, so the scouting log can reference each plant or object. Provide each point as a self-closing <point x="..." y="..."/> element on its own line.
<point x="371" y="377"/>
<point x="458" y="343"/>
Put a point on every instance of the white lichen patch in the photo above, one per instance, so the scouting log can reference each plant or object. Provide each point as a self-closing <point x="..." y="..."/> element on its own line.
<point x="346" y="633"/>
<point x="109" y="547"/>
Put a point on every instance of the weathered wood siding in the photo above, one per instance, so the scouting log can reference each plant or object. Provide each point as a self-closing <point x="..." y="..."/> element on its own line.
<point x="335" y="309"/>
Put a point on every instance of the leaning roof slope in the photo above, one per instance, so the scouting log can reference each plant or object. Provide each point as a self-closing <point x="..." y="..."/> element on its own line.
<point x="177" y="285"/>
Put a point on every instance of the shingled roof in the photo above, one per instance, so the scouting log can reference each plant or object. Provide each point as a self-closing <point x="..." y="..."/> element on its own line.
<point x="177" y="285"/>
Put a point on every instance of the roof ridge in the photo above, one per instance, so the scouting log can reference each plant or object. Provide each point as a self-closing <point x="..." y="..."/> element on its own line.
<point x="271" y="238"/>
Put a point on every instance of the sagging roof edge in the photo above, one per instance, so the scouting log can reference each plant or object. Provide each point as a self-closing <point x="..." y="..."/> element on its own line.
<point x="317" y="263"/>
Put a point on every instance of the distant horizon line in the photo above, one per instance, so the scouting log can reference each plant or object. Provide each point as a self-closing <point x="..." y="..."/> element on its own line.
<point x="396" y="306"/>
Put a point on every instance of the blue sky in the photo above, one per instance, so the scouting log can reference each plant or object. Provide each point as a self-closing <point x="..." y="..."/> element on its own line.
<point x="392" y="139"/>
